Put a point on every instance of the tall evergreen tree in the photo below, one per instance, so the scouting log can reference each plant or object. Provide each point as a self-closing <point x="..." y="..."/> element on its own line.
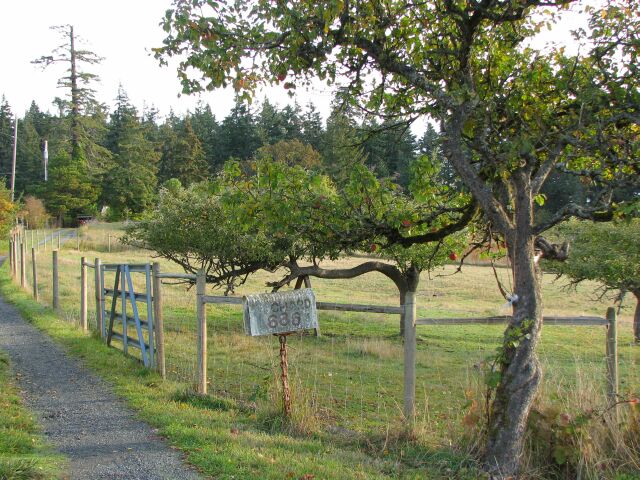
<point x="205" y="127"/>
<point x="70" y="191"/>
<point x="238" y="133"/>
<point x="29" y="165"/>
<point x="77" y="81"/>
<point x="271" y="124"/>
<point x="129" y="184"/>
<point x="182" y="153"/>
<point x="292" y="116"/>
<point x="341" y="143"/>
<point x="6" y="139"/>
<point x="312" y="128"/>
<point x="430" y="144"/>
<point x="390" y="149"/>
<point x="82" y="120"/>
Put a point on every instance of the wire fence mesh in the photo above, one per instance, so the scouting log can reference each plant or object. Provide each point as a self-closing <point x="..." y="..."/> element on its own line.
<point x="349" y="380"/>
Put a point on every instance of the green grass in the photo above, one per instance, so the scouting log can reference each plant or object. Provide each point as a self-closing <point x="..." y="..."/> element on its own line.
<point x="23" y="453"/>
<point x="226" y="439"/>
<point x="347" y="384"/>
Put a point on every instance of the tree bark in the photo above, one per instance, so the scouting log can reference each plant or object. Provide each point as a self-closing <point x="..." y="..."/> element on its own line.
<point x="636" y="317"/>
<point x="403" y="293"/>
<point x="517" y="360"/>
<point x="75" y="98"/>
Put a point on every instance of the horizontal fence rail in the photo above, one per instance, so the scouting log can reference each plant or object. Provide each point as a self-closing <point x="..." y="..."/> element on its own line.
<point x="552" y="320"/>
<point x="341" y="307"/>
<point x="177" y="276"/>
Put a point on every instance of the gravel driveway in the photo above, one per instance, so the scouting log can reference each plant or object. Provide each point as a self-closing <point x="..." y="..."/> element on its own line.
<point x="80" y="414"/>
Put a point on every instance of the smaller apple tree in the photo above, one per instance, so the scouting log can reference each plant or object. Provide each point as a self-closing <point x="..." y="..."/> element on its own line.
<point x="607" y="253"/>
<point x="285" y="218"/>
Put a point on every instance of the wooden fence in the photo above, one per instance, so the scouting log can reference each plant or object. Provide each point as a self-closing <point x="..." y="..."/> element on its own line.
<point x="17" y="256"/>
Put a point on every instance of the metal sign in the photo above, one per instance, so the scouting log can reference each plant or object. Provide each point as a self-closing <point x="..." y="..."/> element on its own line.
<point x="280" y="312"/>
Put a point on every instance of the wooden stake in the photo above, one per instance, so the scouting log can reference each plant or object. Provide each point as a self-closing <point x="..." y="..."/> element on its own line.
<point x="284" y="367"/>
<point x="11" y="256"/>
<point x="201" y="286"/>
<point x="612" y="358"/>
<point x="56" y="290"/>
<point x="59" y="239"/>
<point x="23" y="264"/>
<point x="409" y="356"/>
<point x="34" y="266"/>
<point x="159" y="322"/>
<point x="98" y="289"/>
<point x="83" y="294"/>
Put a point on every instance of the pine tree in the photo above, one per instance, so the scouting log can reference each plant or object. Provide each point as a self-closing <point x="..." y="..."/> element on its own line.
<point x="238" y="135"/>
<point x="182" y="153"/>
<point x="271" y="124"/>
<point x="205" y="127"/>
<point x="69" y="192"/>
<point x="6" y="139"/>
<point x="29" y="168"/>
<point x="77" y="132"/>
<point x="129" y="184"/>
<point x="341" y="144"/>
<point x="312" y="129"/>
<point x="390" y="150"/>
<point x="77" y="81"/>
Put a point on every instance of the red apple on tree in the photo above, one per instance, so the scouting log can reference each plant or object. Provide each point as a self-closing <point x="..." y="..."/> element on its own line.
<point x="453" y="256"/>
<point x="281" y="77"/>
<point x="406" y="223"/>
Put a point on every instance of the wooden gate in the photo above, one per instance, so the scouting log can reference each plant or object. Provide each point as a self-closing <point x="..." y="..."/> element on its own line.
<point x="123" y="292"/>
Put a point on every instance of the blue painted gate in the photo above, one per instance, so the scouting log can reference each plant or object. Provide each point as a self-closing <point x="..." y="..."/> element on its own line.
<point x="123" y="292"/>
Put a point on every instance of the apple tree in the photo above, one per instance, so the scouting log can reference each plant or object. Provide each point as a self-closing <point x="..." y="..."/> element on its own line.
<point x="279" y="217"/>
<point x="509" y="115"/>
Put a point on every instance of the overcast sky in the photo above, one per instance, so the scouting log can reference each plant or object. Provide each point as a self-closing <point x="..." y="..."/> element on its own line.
<point x="123" y="32"/>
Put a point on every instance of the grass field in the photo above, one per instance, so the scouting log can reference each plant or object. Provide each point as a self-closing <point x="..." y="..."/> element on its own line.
<point x="23" y="454"/>
<point x="348" y="382"/>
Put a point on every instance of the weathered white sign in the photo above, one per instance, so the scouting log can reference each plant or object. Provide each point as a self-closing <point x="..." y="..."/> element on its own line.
<point x="280" y="312"/>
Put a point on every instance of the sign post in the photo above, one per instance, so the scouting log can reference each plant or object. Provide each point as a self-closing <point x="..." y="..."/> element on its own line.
<point x="281" y="314"/>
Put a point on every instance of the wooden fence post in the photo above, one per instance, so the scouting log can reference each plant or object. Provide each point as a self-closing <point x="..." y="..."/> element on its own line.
<point x="11" y="256"/>
<point x="83" y="294"/>
<point x="34" y="266"/>
<point x="78" y="238"/>
<point x="409" y="356"/>
<point x="23" y="264"/>
<point x="59" y="231"/>
<point x="56" y="289"/>
<point x="201" y="285"/>
<point x="99" y="313"/>
<point x="612" y="358"/>
<point x="159" y="322"/>
<point x="109" y="243"/>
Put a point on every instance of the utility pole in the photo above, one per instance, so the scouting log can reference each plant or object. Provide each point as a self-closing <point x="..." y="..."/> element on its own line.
<point x="13" y="164"/>
<point x="45" y="159"/>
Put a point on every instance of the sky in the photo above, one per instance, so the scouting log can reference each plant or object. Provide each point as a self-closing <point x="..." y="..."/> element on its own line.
<point x="123" y="32"/>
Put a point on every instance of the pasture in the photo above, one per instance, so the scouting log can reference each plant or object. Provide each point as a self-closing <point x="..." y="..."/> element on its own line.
<point x="347" y="383"/>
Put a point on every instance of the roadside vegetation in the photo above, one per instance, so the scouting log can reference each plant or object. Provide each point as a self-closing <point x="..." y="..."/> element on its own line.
<point x="23" y="452"/>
